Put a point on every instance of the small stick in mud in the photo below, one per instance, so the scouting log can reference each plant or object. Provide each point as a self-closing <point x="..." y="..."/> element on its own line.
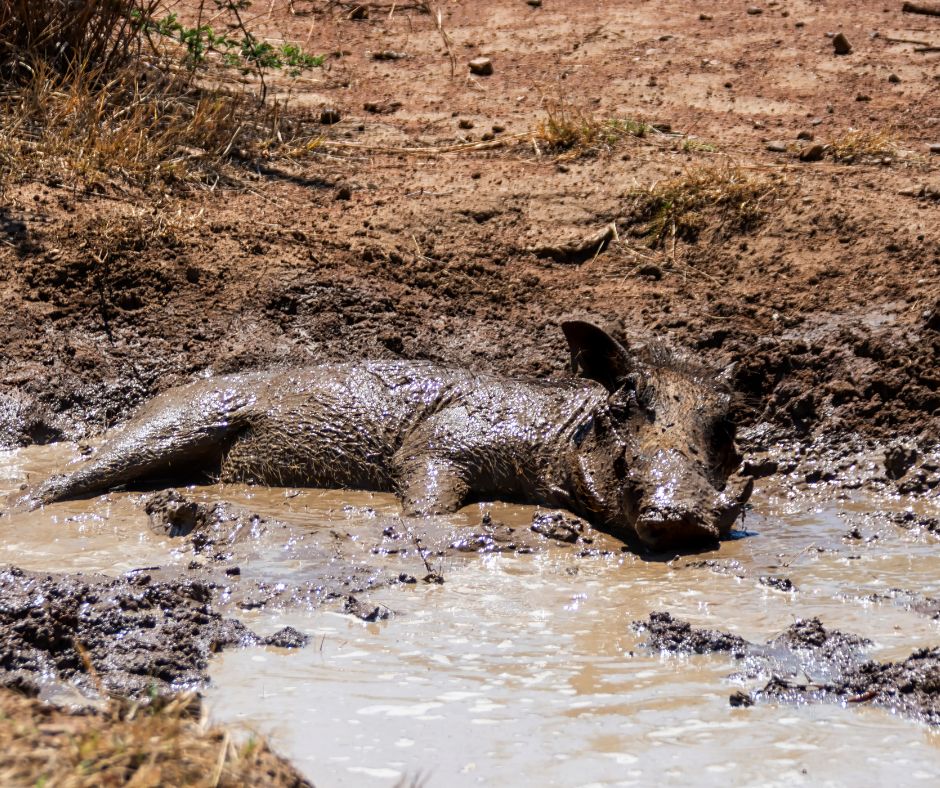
<point x="431" y="576"/>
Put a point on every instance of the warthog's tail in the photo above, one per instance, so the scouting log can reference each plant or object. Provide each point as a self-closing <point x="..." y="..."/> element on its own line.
<point x="179" y="432"/>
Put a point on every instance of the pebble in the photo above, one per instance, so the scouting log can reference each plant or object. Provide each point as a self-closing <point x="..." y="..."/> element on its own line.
<point x="534" y="3"/>
<point x="481" y="66"/>
<point x="935" y="147"/>
<point x="893" y="79"/>
<point x="805" y="135"/>
<point x="777" y="147"/>
<point x="344" y="193"/>
<point x="813" y="153"/>
<point x="755" y="10"/>
<point x="863" y="97"/>
<point x="841" y="44"/>
<point x="705" y="17"/>
<point x="651" y="271"/>
<point x="329" y="116"/>
<point x="465" y="123"/>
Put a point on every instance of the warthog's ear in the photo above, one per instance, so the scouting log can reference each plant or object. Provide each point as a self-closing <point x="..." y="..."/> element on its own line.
<point x="598" y="355"/>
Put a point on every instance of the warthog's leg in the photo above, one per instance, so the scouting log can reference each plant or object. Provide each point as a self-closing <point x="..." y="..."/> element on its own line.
<point x="431" y="486"/>
<point x="178" y="432"/>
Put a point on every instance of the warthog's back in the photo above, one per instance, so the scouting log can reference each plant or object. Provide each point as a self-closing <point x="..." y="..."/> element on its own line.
<point x="355" y="425"/>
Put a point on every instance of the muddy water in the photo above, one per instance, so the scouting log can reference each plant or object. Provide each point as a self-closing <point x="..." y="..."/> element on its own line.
<point x="523" y="669"/>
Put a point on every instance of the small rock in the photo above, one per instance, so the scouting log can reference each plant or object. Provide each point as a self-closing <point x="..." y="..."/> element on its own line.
<point x="382" y="107"/>
<point x="288" y="637"/>
<point x="329" y="116"/>
<point x="481" y="66"/>
<point x="359" y="12"/>
<point x="893" y="79"/>
<point x="777" y="147"/>
<point x="755" y="10"/>
<point x="935" y="147"/>
<point x="805" y="135"/>
<point x="777" y="582"/>
<point x="534" y="3"/>
<point x="863" y="97"/>
<point x="813" y="476"/>
<point x="651" y="271"/>
<point x="705" y="17"/>
<point x="498" y="128"/>
<point x="813" y="153"/>
<point x="344" y="193"/>
<point x="740" y="700"/>
<point x="840" y="44"/>
<point x="465" y="123"/>
<point x="899" y="459"/>
<point x="760" y="469"/>
<point x="488" y="136"/>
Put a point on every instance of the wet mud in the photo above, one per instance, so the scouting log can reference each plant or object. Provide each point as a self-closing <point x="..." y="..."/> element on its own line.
<point x="133" y="636"/>
<point x="809" y="663"/>
<point x="151" y="631"/>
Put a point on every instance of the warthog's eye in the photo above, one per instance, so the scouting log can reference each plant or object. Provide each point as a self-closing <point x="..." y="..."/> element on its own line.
<point x="635" y="396"/>
<point x="722" y="436"/>
<point x="724" y="430"/>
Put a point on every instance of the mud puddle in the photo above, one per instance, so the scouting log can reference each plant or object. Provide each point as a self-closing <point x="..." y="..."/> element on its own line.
<point x="523" y="669"/>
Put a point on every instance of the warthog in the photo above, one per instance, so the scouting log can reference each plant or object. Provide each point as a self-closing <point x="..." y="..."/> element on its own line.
<point x="647" y="453"/>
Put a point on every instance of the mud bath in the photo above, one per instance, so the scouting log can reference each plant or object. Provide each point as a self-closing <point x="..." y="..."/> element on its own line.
<point x="523" y="661"/>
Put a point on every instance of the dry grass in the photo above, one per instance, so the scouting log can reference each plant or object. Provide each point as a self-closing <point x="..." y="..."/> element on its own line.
<point x="860" y="145"/>
<point x="141" y="746"/>
<point x="728" y="197"/>
<point x="93" y="96"/>
<point x="570" y="131"/>
<point x="139" y="131"/>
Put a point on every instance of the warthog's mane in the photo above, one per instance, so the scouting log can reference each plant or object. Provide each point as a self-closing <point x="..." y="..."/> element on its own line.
<point x="656" y="355"/>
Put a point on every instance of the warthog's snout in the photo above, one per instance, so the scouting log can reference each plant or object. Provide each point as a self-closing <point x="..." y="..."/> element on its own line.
<point x="685" y="510"/>
<point x="663" y="527"/>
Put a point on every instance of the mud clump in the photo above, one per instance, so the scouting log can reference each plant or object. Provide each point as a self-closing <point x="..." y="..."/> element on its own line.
<point x="778" y="583"/>
<point x="670" y="634"/>
<point x="832" y="661"/>
<point x="910" y="686"/>
<point x="130" y="636"/>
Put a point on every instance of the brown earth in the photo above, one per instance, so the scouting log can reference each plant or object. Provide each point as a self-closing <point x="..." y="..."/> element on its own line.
<point x="366" y="248"/>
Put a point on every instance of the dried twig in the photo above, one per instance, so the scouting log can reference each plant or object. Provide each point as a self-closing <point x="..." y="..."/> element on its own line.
<point x="921" y="8"/>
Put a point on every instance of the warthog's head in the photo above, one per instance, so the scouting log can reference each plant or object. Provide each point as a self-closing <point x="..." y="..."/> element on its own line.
<point x="656" y="456"/>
